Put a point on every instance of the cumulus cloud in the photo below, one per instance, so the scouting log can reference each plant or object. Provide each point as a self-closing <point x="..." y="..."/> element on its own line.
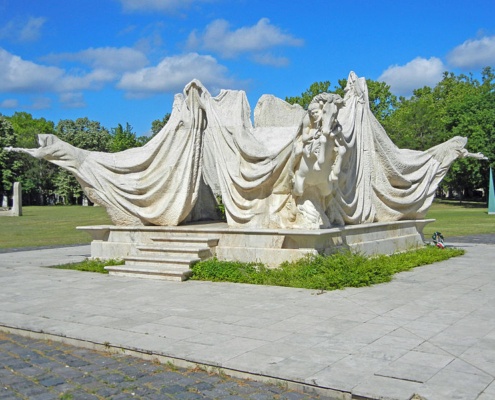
<point x="110" y="58"/>
<point x="219" y="38"/>
<point x="92" y="80"/>
<point x="403" y="79"/>
<point x="157" y="5"/>
<point x="173" y="73"/>
<point x="9" y="103"/>
<point x="18" y="75"/>
<point x="270" y="59"/>
<point x="22" y="76"/>
<point x="72" y="100"/>
<point x="31" y="31"/>
<point x="477" y="53"/>
<point x="41" y="103"/>
<point x="23" y="31"/>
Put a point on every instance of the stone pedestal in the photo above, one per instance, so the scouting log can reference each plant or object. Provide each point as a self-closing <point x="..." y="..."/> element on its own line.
<point x="269" y="246"/>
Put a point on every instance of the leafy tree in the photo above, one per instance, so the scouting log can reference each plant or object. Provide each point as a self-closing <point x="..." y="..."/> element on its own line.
<point x="35" y="175"/>
<point x="415" y="123"/>
<point x="459" y="105"/>
<point x="85" y="134"/>
<point x="305" y="98"/>
<point x="123" y="139"/>
<point x="158" y="124"/>
<point x="9" y="165"/>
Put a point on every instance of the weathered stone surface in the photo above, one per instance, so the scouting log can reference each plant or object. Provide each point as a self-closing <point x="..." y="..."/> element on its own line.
<point x="330" y="166"/>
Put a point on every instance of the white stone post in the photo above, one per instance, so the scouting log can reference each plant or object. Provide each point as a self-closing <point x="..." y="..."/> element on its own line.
<point x="17" y="206"/>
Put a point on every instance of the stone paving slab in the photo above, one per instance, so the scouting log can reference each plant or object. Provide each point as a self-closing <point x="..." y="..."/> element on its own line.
<point x="430" y="331"/>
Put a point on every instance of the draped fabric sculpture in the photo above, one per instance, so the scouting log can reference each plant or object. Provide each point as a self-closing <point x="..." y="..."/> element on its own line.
<point x="331" y="165"/>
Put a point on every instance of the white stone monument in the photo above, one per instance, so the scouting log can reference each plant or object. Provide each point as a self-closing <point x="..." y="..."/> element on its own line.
<point x="331" y="167"/>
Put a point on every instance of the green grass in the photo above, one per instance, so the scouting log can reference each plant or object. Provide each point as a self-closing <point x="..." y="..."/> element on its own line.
<point x="322" y="272"/>
<point x="459" y="219"/>
<point x="56" y="225"/>
<point x="50" y="226"/>
<point x="95" y="265"/>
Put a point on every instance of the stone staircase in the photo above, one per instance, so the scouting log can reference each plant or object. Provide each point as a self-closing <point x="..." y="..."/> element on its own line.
<point x="167" y="258"/>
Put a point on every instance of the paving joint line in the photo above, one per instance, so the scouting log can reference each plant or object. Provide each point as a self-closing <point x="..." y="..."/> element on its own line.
<point x="183" y="363"/>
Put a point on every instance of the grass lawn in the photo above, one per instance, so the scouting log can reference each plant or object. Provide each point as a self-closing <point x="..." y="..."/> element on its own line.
<point x="50" y="226"/>
<point x="455" y="219"/>
<point x="56" y="225"/>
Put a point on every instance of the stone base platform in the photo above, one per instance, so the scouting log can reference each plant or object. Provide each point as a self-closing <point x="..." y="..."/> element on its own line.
<point x="168" y="252"/>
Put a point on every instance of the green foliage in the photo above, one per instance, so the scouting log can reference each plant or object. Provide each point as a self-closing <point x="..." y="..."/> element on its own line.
<point x="322" y="272"/>
<point x="87" y="135"/>
<point x="83" y="133"/>
<point x="306" y="97"/>
<point x="35" y="175"/>
<point x="9" y="166"/>
<point x="95" y="265"/>
<point x="158" y="124"/>
<point x="459" y="105"/>
<point x="123" y="139"/>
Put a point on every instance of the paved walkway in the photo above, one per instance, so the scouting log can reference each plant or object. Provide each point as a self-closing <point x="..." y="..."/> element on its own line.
<point x="431" y="331"/>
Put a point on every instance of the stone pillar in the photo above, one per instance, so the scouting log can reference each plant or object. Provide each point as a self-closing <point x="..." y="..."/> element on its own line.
<point x="85" y="201"/>
<point x="17" y="206"/>
<point x="5" y="202"/>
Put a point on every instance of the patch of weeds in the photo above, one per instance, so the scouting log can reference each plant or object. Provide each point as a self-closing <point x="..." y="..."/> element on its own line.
<point x="322" y="273"/>
<point x="172" y="366"/>
<point x="91" y="265"/>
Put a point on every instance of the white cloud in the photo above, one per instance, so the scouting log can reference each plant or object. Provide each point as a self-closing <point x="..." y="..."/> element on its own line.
<point x="18" y="75"/>
<point x="72" y="100"/>
<point x="218" y="38"/>
<point x="157" y="5"/>
<point x="403" y="79"/>
<point x="92" y="80"/>
<point x="173" y="73"/>
<point x="477" y="53"/>
<point x="32" y="30"/>
<point x="21" y="76"/>
<point x="23" y="31"/>
<point x="109" y="58"/>
<point x="270" y="59"/>
<point x="9" y="103"/>
<point x="41" y="103"/>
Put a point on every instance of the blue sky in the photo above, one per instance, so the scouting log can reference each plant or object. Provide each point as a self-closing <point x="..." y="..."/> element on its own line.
<point x="119" y="61"/>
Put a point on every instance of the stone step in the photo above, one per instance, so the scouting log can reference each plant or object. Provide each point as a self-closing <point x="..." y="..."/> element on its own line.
<point x="163" y="260"/>
<point x="169" y="274"/>
<point x="161" y="249"/>
<point x="187" y="239"/>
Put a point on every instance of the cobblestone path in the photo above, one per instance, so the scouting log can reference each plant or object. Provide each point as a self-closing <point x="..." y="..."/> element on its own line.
<point x="42" y="370"/>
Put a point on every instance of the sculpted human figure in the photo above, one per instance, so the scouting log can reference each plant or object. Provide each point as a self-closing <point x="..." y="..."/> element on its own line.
<point x="318" y="157"/>
<point x="319" y="152"/>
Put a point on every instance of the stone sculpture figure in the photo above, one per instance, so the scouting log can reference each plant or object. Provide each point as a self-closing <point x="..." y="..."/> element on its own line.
<point x="331" y="165"/>
<point x="318" y="157"/>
